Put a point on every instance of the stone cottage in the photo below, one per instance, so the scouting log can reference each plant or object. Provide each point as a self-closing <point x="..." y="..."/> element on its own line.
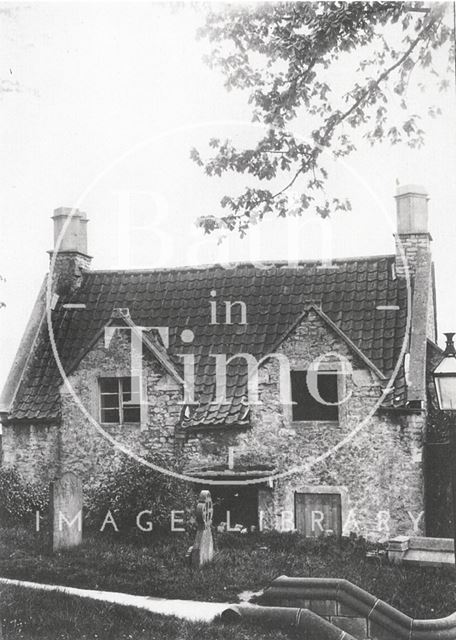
<point x="295" y="392"/>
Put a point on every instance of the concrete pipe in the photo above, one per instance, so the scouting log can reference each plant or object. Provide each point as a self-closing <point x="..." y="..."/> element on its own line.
<point x="311" y="626"/>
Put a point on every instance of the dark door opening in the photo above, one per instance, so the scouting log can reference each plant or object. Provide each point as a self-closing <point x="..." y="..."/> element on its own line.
<point x="235" y="504"/>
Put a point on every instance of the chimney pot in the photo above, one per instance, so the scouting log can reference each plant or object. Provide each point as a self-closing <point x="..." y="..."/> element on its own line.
<point x="412" y="209"/>
<point x="69" y="257"/>
<point x="74" y="238"/>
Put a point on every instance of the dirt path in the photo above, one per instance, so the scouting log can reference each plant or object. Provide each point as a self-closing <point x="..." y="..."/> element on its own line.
<point x="186" y="609"/>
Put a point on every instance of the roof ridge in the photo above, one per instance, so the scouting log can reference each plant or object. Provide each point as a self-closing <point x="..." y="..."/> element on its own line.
<point x="228" y="265"/>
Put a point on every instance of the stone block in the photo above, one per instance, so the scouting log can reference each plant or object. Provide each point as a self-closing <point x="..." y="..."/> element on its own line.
<point x="426" y="558"/>
<point x="66" y="511"/>
<point x="290" y="602"/>
<point x="300" y="603"/>
<point x="357" y="627"/>
<point x="397" y="548"/>
<point x="346" y="611"/>
<point x="378" y="632"/>
<point x="432" y="544"/>
<point x="324" y="607"/>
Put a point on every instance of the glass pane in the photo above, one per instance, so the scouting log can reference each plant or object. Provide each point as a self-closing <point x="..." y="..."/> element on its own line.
<point x="131" y="414"/>
<point x="130" y="390"/>
<point x="327" y="387"/>
<point x="110" y="415"/>
<point x="109" y="385"/>
<point x="309" y="407"/>
<point x="446" y="389"/>
<point x="298" y="386"/>
<point x="110" y="402"/>
<point x="130" y="398"/>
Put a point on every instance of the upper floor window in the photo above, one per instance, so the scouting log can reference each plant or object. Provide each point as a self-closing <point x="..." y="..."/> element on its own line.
<point x="118" y="404"/>
<point x="307" y="405"/>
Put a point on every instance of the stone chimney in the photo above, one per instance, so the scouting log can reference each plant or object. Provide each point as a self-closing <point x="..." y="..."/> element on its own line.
<point x="412" y="227"/>
<point x="414" y="240"/>
<point x="70" y="249"/>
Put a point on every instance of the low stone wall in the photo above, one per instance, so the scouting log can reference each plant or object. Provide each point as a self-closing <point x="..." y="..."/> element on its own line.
<point x="354" y="610"/>
<point x="436" y="552"/>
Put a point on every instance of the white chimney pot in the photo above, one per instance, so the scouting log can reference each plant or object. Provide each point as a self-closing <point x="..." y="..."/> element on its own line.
<point x="74" y="238"/>
<point x="412" y="209"/>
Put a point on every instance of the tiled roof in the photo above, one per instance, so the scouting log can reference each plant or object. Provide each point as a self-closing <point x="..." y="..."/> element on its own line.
<point x="180" y="298"/>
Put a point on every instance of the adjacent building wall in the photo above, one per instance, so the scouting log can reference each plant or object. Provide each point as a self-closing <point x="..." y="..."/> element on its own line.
<point x="32" y="449"/>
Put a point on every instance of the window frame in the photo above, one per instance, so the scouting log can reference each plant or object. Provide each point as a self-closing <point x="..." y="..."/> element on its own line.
<point x="120" y="380"/>
<point x="330" y="371"/>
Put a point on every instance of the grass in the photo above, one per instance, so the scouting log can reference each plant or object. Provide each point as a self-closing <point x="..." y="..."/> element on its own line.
<point x="26" y="614"/>
<point x="242" y="563"/>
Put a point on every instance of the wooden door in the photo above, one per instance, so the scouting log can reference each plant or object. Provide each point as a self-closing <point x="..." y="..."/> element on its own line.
<point x="318" y="514"/>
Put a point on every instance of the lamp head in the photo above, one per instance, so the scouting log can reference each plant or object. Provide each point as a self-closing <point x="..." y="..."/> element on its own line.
<point x="445" y="376"/>
<point x="449" y="347"/>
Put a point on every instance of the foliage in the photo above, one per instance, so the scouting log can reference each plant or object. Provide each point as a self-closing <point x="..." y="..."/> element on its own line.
<point x="294" y="542"/>
<point x="157" y="567"/>
<point x="130" y="488"/>
<point x="19" y="500"/>
<point x="330" y="68"/>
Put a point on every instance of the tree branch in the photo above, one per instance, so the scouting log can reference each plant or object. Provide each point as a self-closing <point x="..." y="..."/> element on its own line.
<point x="383" y="76"/>
<point x="290" y="184"/>
<point x="331" y="126"/>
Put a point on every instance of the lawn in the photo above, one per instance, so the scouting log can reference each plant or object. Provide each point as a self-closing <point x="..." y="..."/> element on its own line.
<point x="26" y="614"/>
<point x="157" y="567"/>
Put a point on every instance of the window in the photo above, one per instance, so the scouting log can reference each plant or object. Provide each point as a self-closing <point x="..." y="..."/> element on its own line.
<point x="309" y="408"/>
<point x="117" y="402"/>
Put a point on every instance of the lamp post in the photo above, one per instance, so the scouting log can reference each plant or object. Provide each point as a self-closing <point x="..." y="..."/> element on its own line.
<point x="445" y="385"/>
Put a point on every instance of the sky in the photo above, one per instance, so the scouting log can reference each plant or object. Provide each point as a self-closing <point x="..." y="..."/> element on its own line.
<point x="100" y="106"/>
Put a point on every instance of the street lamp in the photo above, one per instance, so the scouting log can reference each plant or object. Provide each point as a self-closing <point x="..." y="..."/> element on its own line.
<point x="445" y="385"/>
